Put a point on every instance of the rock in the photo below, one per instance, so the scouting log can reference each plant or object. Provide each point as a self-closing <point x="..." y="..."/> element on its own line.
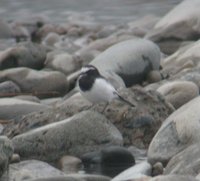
<point x="51" y="101"/>
<point x="75" y="177"/>
<point x="25" y="54"/>
<point x="11" y="108"/>
<point x="69" y="136"/>
<point x="15" y="158"/>
<point x="51" y="39"/>
<point x="66" y="109"/>
<point x="6" y="43"/>
<point x="115" y="159"/>
<point x="99" y="45"/>
<point x="28" y="98"/>
<point x="9" y="88"/>
<point x="173" y="178"/>
<point x="138" y="171"/>
<point x="181" y="23"/>
<point x="20" y="32"/>
<point x="186" y="162"/>
<point x="157" y="169"/>
<point x="70" y="164"/>
<point x="154" y="76"/>
<point x="178" y="131"/>
<point x="109" y="161"/>
<point x="143" y="25"/>
<point x="62" y="62"/>
<point x="6" y="151"/>
<point x="38" y="83"/>
<point x="186" y="57"/>
<point x="32" y="169"/>
<point x="5" y="30"/>
<point x="132" y="60"/>
<point x="139" y="154"/>
<point x="179" y="92"/>
<point x="137" y="125"/>
<point x="192" y="75"/>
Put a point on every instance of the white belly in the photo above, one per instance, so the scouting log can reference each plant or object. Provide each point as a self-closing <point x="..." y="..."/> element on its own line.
<point x="102" y="91"/>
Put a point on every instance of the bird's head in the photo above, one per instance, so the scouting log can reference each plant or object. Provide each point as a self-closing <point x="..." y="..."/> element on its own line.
<point x="90" y="70"/>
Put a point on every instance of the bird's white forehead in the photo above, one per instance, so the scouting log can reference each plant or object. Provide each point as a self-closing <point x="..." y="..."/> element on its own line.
<point x="86" y="69"/>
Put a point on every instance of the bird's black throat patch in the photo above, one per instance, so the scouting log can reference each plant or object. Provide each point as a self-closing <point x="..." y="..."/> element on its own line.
<point x="87" y="79"/>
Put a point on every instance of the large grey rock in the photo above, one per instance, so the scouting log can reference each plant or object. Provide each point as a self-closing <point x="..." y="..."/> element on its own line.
<point x="137" y="125"/>
<point x="181" y="23"/>
<point x="32" y="169"/>
<point x="24" y="54"/>
<point x="173" y="178"/>
<point x="40" y="83"/>
<point x="178" y="131"/>
<point x="11" y="108"/>
<point x="130" y="60"/>
<point x="179" y="92"/>
<point x="186" y="162"/>
<point x="81" y="133"/>
<point x="6" y="151"/>
<point x="135" y="172"/>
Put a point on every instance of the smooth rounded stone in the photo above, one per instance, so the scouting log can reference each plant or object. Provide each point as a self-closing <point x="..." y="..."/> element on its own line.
<point x="154" y="76"/>
<point x="51" y="39"/>
<point x="65" y="109"/>
<point x="132" y="60"/>
<point x="28" y="98"/>
<point x="192" y="76"/>
<point x="183" y="58"/>
<point x="157" y="169"/>
<point x="181" y="23"/>
<point x="179" y="92"/>
<point x="10" y="108"/>
<point x="178" y="131"/>
<point x="186" y="162"/>
<point x="39" y="83"/>
<point x="25" y="54"/>
<point x="137" y="171"/>
<point x="173" y="178"/>
<point x="9" y="88"/>
<point x="109" y="161"/>
<point x="69" y="136"/>
<point x="15" y="158"/>
<point x="137" y="125"/>
<point x="6" y="151"/>
<point x="62" y="62"/>
<point x="69" y="164"/>
<point x="143" y="25"/>
<point x="32" y="169"/>
<point x="75" y="177"/>
<point x="5" y="30"/>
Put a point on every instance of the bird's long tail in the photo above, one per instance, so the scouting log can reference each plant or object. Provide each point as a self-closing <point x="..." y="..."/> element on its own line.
<point x="126" y="101"/>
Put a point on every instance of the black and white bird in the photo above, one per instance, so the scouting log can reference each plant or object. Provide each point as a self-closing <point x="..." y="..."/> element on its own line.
<point x="95" y="88"/>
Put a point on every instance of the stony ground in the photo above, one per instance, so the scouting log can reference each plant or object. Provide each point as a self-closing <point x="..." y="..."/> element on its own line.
<point x="50" y="132"/>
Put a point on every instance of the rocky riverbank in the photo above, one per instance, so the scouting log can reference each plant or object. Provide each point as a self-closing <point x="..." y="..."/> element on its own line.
<point x="50" y="132"/>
